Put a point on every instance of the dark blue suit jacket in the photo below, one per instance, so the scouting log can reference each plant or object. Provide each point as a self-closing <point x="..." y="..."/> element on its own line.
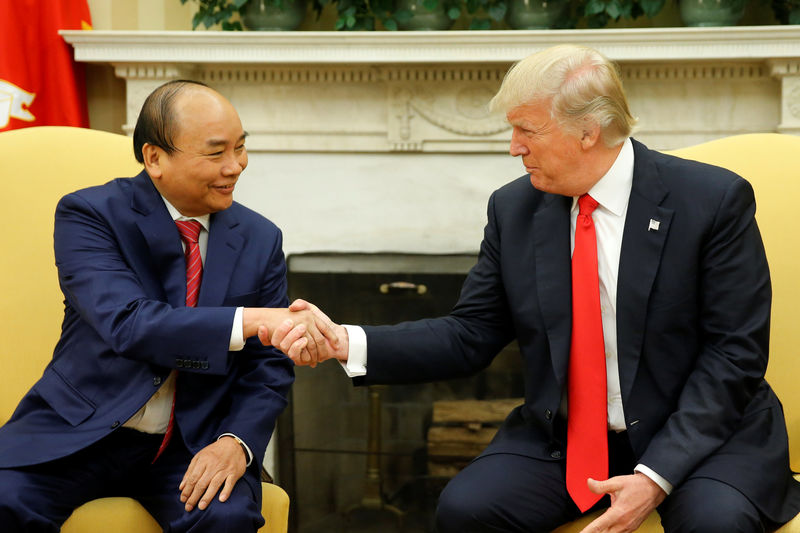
<point x="122" y="271"/>
<point x="693" y="311"/>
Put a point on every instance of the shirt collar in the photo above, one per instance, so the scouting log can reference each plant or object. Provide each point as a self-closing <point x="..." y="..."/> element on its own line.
<point x="204" y="220"/>
<point x="613" y="190"/>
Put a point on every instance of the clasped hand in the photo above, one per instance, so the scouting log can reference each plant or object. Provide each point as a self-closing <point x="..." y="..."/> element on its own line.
<point x="302" y="332"/>
<point x="292" y="337"/>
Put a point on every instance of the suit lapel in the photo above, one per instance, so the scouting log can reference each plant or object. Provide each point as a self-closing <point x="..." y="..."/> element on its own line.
<point x="552" y="251"/>
<point x="646" y="228"/>
<point x="225" y="243"/>
<point x="162" y="238"/>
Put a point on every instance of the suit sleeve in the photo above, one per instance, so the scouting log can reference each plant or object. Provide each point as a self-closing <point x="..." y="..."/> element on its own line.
<point x="103" y="289"/>
<point x="734" y="303"/>
<point x="460" y="344"/>
<point x="106" y="293"/>
<point x="263" y="374"/>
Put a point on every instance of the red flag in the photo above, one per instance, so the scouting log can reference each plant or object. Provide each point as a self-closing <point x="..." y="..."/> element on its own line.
<point x="40" y="83"/>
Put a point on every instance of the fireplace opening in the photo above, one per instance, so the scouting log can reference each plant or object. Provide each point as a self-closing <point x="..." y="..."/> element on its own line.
<point x="355" y="458"/>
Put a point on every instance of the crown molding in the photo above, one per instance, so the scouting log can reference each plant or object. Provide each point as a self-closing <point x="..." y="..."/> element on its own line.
<point x="624" y="45"/>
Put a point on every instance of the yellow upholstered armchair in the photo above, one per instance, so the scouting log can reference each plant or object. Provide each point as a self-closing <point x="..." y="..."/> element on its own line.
<point x="769" y="161"/>
<point x="38" y="166"/>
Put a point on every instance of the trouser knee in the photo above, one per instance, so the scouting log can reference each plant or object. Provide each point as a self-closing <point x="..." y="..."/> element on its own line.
<point x="20" y="511"/>
<point x="714" y="508"/>
<point x="239" y="514"/>
<point x="460" y="510"/>
<point x="712" y="523"/>
<point x="17" y="519"/>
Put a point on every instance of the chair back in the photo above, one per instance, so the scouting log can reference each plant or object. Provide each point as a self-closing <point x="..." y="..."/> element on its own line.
<point x="39" y="165"/>
<point x="771" y="163"/>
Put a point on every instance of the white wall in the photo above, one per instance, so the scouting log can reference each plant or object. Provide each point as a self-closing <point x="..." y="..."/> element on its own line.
<point x="376" y="202"/>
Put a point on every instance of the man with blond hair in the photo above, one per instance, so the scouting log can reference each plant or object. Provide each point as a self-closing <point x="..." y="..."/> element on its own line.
<point x="638" y="289"/>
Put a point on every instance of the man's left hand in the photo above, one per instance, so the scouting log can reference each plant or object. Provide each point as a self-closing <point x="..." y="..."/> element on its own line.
<point x="219" y="464"/>
<point x="632" y="499"/>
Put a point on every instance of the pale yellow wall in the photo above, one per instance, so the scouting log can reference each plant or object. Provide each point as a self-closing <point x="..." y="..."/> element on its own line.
<point x="106" y="92"/>
<point x="141" y="14"/>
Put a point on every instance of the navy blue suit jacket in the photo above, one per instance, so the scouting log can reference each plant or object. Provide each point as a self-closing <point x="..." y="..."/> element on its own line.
<point x="693" y="311"/>
<point x="122" y="270"/>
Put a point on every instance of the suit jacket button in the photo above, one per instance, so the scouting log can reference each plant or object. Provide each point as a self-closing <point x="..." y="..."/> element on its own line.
<point x="195" y="364"/>
<point x="156" y="381"/>
<point x="204" y="366"/>
<point x="179" y="363"/>
<point x="115" y="424"/>
<point x="555" y="454"/>
<point x="548" y="414"/>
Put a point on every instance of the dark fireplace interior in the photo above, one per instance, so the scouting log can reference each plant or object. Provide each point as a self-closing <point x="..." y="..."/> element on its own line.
<point x="324" y="439"/>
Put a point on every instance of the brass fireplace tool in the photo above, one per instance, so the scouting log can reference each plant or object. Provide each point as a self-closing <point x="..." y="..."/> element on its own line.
<point x="373" y="499"/>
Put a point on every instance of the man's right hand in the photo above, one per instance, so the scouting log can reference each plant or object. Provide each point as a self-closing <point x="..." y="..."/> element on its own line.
<point x="313" y="334"/>
<point x="289" y="338"/>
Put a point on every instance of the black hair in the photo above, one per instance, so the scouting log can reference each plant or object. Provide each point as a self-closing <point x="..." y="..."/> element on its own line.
<point x="156" y="124"/>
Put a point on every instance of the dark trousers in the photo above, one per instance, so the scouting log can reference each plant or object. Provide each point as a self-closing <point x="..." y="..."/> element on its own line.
<point x="515" y="493"/>
<point x="40" y="498"/>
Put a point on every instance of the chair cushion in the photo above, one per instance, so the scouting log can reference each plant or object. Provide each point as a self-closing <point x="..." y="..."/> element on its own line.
<point x="126" y="515"/>
<point x="120" y="515"/>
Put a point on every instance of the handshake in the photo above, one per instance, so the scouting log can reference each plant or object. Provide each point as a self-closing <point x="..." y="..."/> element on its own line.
<point x="302" y="332"/>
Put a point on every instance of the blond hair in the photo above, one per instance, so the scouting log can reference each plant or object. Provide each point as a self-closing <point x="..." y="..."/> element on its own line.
<point x="581" y="84"/>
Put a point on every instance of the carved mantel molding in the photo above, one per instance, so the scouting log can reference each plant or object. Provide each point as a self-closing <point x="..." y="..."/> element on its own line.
<point x="426" y="91"/>
<point x="636" y="44"/>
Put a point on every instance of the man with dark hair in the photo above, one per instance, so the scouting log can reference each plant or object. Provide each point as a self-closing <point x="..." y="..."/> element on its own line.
<point x="157" y="124"/>
<point x="158" y="388"/>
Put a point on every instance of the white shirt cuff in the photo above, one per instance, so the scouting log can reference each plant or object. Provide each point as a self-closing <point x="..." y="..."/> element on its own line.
<point x="665" y="485"/>
<point x="356" y="364"/>
<point x="237" y="332"/>
<point x="242" y="443"/>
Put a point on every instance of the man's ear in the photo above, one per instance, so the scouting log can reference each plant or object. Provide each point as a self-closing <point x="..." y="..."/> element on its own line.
<point x="590" y="135"/>
<point x="152" y="160"/>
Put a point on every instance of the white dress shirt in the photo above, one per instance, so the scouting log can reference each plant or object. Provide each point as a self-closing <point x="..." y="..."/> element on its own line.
<point x="153" y="417"/>
<point x="612" y="192"/>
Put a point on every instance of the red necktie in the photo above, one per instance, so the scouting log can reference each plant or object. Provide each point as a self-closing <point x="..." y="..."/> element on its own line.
<point x="587" y="437"/>
<point x="190" y="233"/>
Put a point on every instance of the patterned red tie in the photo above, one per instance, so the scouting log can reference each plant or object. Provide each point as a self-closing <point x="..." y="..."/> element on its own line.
<point x="587" y="437"/>
<point x="190" y="233"/>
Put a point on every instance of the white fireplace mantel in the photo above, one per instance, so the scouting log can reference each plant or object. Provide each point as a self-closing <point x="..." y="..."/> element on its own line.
<point x="426" y="91"/>
<point x="467" y="47"/>
<point x="381" y="141"/>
